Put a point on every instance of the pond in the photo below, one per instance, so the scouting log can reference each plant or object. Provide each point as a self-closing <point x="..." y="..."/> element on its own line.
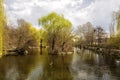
<point x="81" y="65"/>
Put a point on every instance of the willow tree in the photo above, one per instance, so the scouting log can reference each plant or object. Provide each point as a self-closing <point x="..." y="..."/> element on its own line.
<point x="56" y="28"/>
<point x="2" y="22"/>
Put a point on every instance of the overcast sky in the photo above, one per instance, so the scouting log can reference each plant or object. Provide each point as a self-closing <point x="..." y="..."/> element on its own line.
<point x="98" y="12"/>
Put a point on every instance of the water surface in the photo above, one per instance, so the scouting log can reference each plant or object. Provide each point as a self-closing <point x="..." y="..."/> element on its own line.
<point x="81" y="65"/>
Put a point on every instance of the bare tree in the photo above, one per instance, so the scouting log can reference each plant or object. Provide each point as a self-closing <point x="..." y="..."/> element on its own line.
<point x="85" y="32"/>
<point x="100" y="35"/>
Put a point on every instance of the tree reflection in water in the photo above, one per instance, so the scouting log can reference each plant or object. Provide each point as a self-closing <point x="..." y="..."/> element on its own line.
<point x="87" y="65"/>
<point x="83" y="65"/>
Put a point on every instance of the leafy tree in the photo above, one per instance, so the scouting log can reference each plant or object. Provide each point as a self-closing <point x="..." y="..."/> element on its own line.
<point x="56" y="28"/>
<point x="114" y="40"/>
<point x="2" y="23"/>
<point x="8" y="37"/>
<point x="22" y="37"/>
<point x="25" y="34"/>
<point x="117" y="16"/>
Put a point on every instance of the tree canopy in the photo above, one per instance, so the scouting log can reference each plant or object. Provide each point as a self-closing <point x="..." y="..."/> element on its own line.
<point x="56" y="27"/>
<point x="2" y="22"/>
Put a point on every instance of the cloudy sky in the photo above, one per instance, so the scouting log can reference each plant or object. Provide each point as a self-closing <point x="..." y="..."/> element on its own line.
<point x="98" y="12"/>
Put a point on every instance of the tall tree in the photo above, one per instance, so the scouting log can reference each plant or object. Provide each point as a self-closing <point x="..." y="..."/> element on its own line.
<point x="100" y="35"/>
<point x="112" y="25"/>
<point x="25" y="34"/>
<point x="114" y="40"/>
<point x="85" y="32"/>
<point x="116" y="21"/>
<point x="55" y="27"/>
<point x="2" y="23"/>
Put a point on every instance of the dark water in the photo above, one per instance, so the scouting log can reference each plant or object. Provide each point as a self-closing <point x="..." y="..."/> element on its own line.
<point x="84" y="65"/>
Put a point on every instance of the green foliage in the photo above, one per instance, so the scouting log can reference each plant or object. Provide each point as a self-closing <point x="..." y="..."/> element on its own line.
<point x="2" y="22"/>
<point x="118" y="22"/>
<point x="114" y="42"/>
<point x="57" y="29"/>
<point x="34" y="32"/>
<point x="37" y="34"/>
<point x="53" y="21"/>
<point x="26" y="34"/>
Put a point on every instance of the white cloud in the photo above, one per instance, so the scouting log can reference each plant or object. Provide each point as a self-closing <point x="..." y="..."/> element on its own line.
<point x="102" y="12"/>
<point x="77" y="11"/>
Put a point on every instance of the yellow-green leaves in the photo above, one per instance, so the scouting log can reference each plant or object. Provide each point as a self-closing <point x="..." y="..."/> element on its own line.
<point x="57" y="30"/>
<point x="118" y="23"/>
<point x="2" y="22"/>
<point x="54" y="22"/>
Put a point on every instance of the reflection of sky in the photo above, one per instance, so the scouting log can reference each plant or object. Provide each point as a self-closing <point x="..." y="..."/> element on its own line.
<point x="35" y="73"/>
<point x="97" y="59"/>
<point x="84" y="71"/>
<point x="26" y="68"/>
<point x="77" y="11"/>
<point x="12" y="73"/>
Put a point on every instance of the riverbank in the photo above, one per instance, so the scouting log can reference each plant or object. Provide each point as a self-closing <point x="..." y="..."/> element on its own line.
<point x="105" y="51"/>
